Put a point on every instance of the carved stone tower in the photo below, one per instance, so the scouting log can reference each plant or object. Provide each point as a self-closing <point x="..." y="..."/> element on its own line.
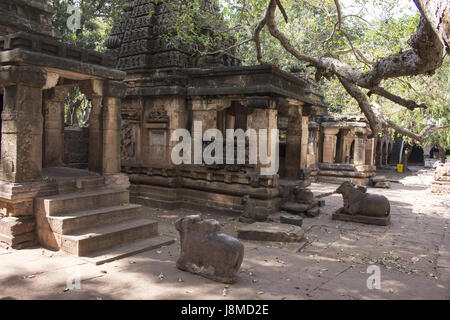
<point x="146" y="38"/>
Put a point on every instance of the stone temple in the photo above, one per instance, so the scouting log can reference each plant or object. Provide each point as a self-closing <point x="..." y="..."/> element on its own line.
<point x="142" y="90"/>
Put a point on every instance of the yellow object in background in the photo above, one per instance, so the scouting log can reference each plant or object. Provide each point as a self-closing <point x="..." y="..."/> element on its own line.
<point x="400" y="168"/>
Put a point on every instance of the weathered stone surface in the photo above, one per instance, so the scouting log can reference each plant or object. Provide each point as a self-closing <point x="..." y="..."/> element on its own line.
<point x="295" y="207"/>
<point x="377" y="221"/>
<point x="304" y="196"/>
<point x="378" y="179"/>
<point x="291" y="219"/>
<point x="13" y="226"/>
<point x="440" y="188"/>
<point x="253" y="213"/>
<point x="208" y="252"/>
<point x="383" y="185"/>
<point x="271" y="232"/>
<point x="441" y="185"/>
<point x="362" y="204"/>
<point x="312" y="213"/>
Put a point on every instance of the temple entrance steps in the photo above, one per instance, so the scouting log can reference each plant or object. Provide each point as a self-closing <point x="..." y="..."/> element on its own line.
<point x="97" y="225"/>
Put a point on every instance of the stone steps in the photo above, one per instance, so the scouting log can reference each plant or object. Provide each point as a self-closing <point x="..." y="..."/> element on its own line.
<point x="84" y="184"/>
<point x="77" y="221"/>
<point x="65" y="203"/>
<point x="106" y="237"/>
<point x="100" y="225"/>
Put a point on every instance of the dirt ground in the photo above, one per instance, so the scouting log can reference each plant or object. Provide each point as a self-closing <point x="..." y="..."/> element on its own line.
<point x="413" y="254"/>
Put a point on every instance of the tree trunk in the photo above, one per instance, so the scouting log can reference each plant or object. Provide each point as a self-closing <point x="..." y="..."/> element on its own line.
<point x="406" y="155"/>
<point x="442" y="155"/>
<point x="437" y="13"/>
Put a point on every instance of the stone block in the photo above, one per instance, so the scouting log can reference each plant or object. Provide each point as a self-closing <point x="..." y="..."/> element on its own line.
<point x="271" y="232"/>
<point x="382" y="185"/>
<point x="377" y="221"/>
<point x="295" y="207"/>
<point x="378" y="179"/>
<point x="291" y="219"/>
<point x="12" y="226"/>
<point x="312" y="213"/>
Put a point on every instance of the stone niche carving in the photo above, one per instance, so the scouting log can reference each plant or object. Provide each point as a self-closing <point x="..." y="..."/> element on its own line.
<point x="158" y="115"/>
<point x="129" y="141"/>
<point x="208" y="252"/>
<point x="157" y="144"/>
<point x="157" y="124"/>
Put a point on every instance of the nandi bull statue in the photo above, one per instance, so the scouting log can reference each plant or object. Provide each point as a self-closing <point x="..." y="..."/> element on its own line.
<point x="362" y="207"/>
<point x="208" y="252"/>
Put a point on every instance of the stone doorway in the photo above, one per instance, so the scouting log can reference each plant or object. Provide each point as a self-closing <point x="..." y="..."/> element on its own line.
<point x="66" y="128"/>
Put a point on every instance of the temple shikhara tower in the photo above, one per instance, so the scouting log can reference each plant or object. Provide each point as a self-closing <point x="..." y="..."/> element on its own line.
<point x="148" y="85"/>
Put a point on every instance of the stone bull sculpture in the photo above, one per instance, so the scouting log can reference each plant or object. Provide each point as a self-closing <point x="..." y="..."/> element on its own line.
<point x="208" y="252"/>
<point x="358" y="203"/>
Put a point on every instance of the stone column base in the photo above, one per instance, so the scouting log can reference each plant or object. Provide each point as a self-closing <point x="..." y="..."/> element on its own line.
<point x="119" y="181"/>
<point x="17" y="223"/>
<point x="18" y="232"/>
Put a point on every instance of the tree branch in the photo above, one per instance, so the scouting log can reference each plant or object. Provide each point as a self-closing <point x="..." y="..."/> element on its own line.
<point x="409" y="104"/>
<point x="339" y="13"/>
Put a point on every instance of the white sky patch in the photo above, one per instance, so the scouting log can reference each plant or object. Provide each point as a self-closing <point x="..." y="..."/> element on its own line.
<point x="376" y="10"/>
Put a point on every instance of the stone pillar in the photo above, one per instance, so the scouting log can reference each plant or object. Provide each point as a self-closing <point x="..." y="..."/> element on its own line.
<point x="266" y="119"/>
<point x="21" y="165"/>
<point x="54" y="126"/>
<point x="305" y="138"/>
<point x="104" y="125"/>
<point x="370" y="152"/>
<point x="312" y="144"/>
<point x="94" y="90"/>
<point x="294" y="143"/>
<point x="360" y="149"/>
<point x="329" y="144"/>
<point x="205" y="112"/>
<point x="22" y="124"/>
<point x="111" y="126"/>
<point x="95" y="136"/>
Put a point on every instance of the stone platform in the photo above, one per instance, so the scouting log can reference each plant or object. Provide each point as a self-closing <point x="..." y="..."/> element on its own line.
<point x="377" y="221"/>
<point x="271" y="232"/>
